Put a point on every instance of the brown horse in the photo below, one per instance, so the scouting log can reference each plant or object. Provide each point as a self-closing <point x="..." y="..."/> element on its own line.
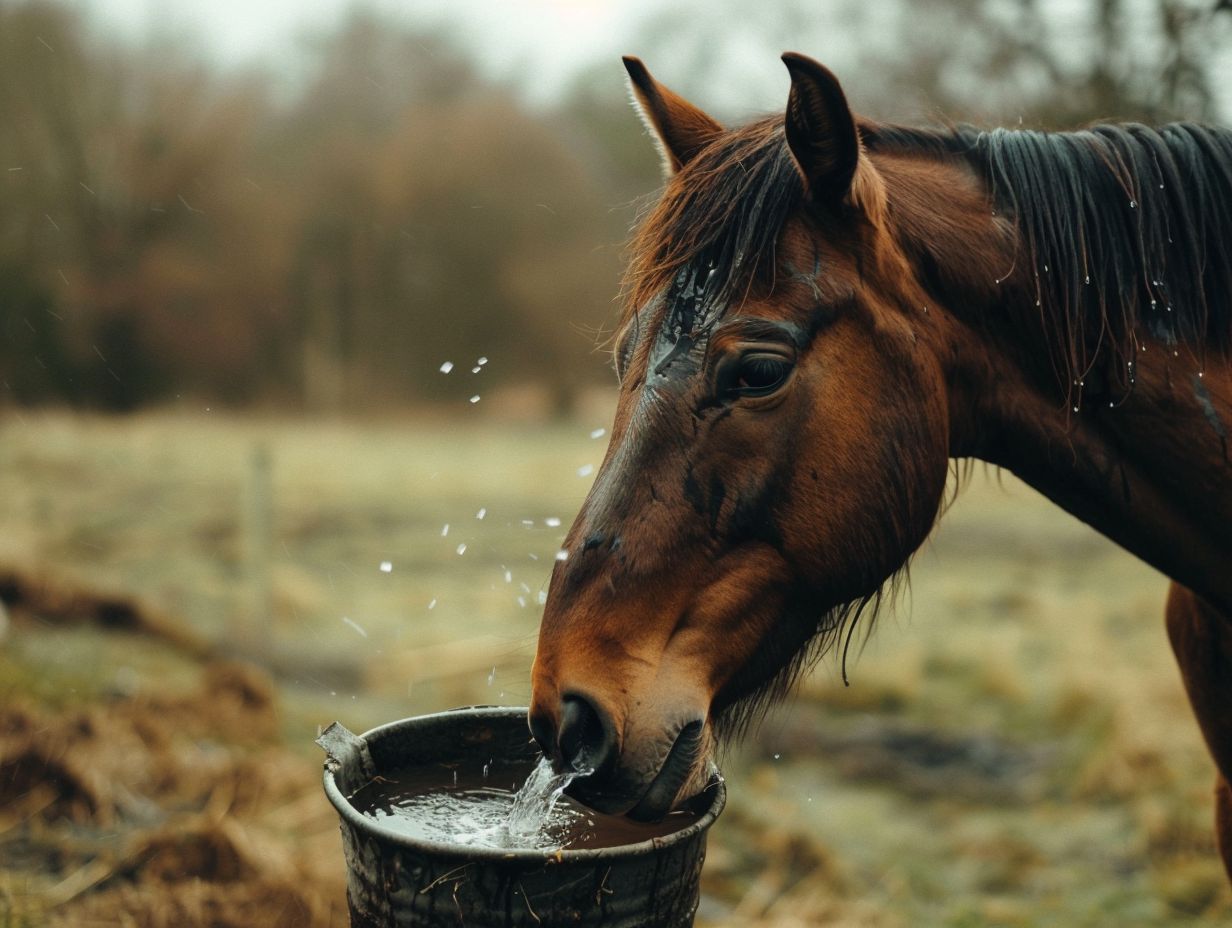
<point x="823" y="311"/>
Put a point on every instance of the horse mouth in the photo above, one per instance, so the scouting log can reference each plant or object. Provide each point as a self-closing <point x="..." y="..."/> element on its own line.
<point x="679" y="768"/>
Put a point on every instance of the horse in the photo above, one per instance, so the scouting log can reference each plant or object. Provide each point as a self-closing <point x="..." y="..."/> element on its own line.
<point x="823" y="314"/>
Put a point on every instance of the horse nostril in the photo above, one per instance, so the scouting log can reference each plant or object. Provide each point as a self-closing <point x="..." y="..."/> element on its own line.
<point x="586" y="740"/>
<point x="543" y="731"/>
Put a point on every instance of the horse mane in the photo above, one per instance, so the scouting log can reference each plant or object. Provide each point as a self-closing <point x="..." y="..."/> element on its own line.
<point x="1123" y="229"/>
<point x="727" y="210"/>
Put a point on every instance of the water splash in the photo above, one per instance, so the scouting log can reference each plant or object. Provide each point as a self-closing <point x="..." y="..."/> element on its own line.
<point x="534" y="802"/>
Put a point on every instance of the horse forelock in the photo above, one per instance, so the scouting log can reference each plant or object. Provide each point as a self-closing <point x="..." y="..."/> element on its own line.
<point x="719" y="219"/>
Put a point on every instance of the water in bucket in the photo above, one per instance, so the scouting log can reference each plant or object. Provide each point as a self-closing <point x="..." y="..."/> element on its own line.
<point x="500" y="804"/>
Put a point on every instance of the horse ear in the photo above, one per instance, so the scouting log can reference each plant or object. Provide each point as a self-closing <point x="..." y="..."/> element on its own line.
<point x="680" y="128"/>
<point x="821" y="132"/>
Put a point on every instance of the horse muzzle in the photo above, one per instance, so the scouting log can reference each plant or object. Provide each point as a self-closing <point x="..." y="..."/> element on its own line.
<point x="641" y="767"/>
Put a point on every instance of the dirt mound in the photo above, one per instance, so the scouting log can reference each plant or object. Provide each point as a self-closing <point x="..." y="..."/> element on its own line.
<point x="156" y="811"/>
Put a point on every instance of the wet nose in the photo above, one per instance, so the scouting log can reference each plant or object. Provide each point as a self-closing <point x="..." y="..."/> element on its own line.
<point x="586" y="739"/>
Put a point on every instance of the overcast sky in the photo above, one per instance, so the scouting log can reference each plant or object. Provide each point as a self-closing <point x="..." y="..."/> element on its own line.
<point x="555" y="37"/>
<point x="543" y="42"/>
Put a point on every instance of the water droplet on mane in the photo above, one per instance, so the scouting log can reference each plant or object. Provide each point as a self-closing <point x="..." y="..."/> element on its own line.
<point x="1087" y="279"/>
<point x="1133" y="204"/>
<point x="562" y="555"/>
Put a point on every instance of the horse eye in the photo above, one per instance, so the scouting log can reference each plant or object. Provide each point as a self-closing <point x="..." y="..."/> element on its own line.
<point x="760" y="374"/>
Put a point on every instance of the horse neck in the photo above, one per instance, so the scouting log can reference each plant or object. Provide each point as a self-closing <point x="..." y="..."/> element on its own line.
<point x="1151" y="471"/>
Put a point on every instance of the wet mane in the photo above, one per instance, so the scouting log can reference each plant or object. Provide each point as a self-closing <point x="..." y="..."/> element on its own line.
<point x="1125" y="230"/>
<point x="728" y="209"/>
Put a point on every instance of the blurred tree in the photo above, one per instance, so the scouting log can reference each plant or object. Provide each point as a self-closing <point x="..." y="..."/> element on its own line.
<point x="1056" y="63"/>
<point x="428" y="208"/>
<point x="166" y="230"/>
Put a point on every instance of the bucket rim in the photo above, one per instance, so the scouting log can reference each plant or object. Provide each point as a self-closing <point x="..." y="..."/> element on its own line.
<point x="364" y="824"/>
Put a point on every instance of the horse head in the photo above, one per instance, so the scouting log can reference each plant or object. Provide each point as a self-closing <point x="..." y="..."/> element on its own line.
<point x="780" y="446"/>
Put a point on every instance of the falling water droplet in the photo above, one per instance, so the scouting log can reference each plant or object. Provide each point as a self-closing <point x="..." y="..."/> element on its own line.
<point x="483" y="511"/>
<point x="586" y="470"/>
<point x="482" y="361"/>
<point x="552" y="522"/>
<point x="476" y="370"/>
<point x="355" y="625"/>
<point x="432" y="605"/>
<point x="445" y="530"/>
<point x="509" y="576"/>
<point x="462" y="548"/>
<point x="542" y="597"/>
<point x="598" y="433"/>
<point x="563" y="554"/>
<point x="446" y="367"/>
<point x="475" y="399"/>
<point x="386" y="567"/>
<point x="522" y="601"/>
<point x="492" y="675"/>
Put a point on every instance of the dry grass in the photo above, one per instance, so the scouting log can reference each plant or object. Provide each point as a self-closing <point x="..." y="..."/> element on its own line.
<point x="1015" y="748"/>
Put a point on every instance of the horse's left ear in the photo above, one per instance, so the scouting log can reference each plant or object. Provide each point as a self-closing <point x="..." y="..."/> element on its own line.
<point x="821" y="132"/>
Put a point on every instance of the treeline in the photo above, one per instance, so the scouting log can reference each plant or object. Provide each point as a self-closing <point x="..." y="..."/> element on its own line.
<point x="167" y="230"/>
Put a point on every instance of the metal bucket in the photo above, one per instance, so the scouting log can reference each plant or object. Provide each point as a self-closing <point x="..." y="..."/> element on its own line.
<point x="395" y="881"/>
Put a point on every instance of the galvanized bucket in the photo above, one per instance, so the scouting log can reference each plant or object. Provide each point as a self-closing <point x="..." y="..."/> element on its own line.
<point x="394" y="881"/>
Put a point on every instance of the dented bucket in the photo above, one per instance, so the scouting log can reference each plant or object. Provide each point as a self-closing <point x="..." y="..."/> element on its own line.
<point x="395" y="880"/>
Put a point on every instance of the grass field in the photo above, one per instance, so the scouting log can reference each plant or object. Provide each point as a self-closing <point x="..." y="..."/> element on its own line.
<point x="1015" y="748"/>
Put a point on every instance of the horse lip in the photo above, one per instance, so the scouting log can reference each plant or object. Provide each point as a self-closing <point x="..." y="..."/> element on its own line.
<point x="661" y="795"/>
